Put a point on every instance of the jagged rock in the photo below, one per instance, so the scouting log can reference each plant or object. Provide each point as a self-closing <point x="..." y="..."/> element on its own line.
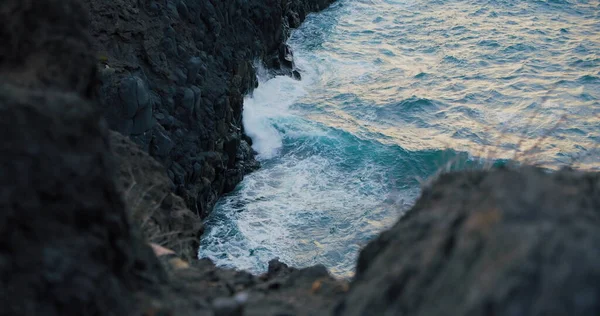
<point x="162" y="144"/>
<point x="134" y="95"/>
<point x="143" y="121"/>
<point x="67" y="242"/>
<point x="310" y="291"/>
<point x="175" y="49"/>
<point x="194" y="65"/>
<point x="503" y="242"/>
<point x="67" y="245"/>
<point x="188" y="99"/>
<point x="278" y="268"/>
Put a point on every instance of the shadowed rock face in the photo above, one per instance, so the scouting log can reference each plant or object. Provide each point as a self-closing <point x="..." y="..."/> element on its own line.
<point x="46" y="44"/>
<point x="147" y="191"/>
<point x="173" y="76"/>
<point x="66" y="245"/>
<point x="204" y="289"/>
<point x="518" y="242"/>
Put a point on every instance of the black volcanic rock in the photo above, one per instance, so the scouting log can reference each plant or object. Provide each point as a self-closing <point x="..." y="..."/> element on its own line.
<point x="499" y="242"/>
<point x="503" y="242"/>
<point x="147" y="191"/>
<point x="205" y="288"/>
<point x="46" y="44"/>
<point x="67" y="246"/>
<point x="174" y="73"/>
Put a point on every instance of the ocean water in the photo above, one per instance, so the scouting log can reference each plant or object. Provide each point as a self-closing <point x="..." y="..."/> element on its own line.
<point x="392" y="92"/>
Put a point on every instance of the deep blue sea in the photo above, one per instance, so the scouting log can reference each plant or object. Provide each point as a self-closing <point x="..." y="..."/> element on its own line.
<point x="392" y="92"/>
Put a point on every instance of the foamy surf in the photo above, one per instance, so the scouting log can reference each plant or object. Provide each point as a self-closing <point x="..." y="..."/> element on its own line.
<point x="318" y="197"/>
<point x="269" y="104"/>
<point x="391" y="92"/>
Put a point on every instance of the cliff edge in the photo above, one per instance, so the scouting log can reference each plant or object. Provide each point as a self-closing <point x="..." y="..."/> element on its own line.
<point x="72" y="242"/>
<point x="173" y="75"/>
<point x="498" y="242"/>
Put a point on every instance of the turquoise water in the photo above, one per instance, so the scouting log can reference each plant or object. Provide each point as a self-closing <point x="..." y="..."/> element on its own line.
<point x="392" y="92"/>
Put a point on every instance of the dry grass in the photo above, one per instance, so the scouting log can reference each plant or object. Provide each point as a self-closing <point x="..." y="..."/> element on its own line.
<point x="522" y="154"/>
<point x="144" y="203"/>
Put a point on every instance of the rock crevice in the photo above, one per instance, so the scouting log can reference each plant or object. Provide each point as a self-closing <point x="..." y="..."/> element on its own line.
<point x="173" y="75"/>
<point x="74" y="242"/>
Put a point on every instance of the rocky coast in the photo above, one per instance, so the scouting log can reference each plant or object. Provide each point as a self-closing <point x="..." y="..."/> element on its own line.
<point x="122" y="127"/>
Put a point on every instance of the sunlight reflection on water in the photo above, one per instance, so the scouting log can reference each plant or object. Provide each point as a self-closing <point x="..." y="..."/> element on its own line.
<point x="391" y="91"/>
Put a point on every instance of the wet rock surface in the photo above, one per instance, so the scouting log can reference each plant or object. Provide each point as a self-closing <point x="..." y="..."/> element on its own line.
<point x="173" y="74"/>
<point x="503" y="242"/>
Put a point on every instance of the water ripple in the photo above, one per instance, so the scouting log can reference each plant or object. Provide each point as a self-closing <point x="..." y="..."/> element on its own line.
<point x="392" y="90"/>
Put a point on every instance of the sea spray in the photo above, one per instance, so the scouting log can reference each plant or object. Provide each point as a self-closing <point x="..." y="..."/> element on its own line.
<point x="391" y="92"/>
<point x="320" y="195"/>
<point x="268" y="105"/>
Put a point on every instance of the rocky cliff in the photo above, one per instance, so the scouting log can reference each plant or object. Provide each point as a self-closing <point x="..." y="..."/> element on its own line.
<point x="66" y="244"/>
<point x="173" y="75"/>
<point x="78" y="204"/>
<point x="73" y="197"/>
<point x="499" y="242"/>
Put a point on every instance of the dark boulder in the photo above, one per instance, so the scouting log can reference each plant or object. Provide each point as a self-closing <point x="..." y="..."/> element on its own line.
<point x="67" y="247"/>
<point x="50" y="39"/>
<point x="203" y="286"/>
<point x="503" y="242"/>
<point x="134" y="95"/>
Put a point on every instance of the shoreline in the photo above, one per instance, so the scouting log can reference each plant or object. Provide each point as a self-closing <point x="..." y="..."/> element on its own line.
<point x="172" y="78"/>
<point x="80" y="203"/>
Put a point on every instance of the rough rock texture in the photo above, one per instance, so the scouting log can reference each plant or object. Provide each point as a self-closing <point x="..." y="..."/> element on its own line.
<point x="198" y="287"/>
<point x="46" y="44"/>
<point x="500" y="242"/>
<point x="203" y="289"/>
<point x="503" y="242"/>
<point x="66" y="244"/>
<point x="147" y="191"/>
<point x="173" y="74"/>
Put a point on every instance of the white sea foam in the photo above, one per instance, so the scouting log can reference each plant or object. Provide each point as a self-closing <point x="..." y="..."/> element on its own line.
<point x="314" y="203"/>
<point x="269" y="103"/>
<point x="340" y="149"/>
<point x="303" y="210"/>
